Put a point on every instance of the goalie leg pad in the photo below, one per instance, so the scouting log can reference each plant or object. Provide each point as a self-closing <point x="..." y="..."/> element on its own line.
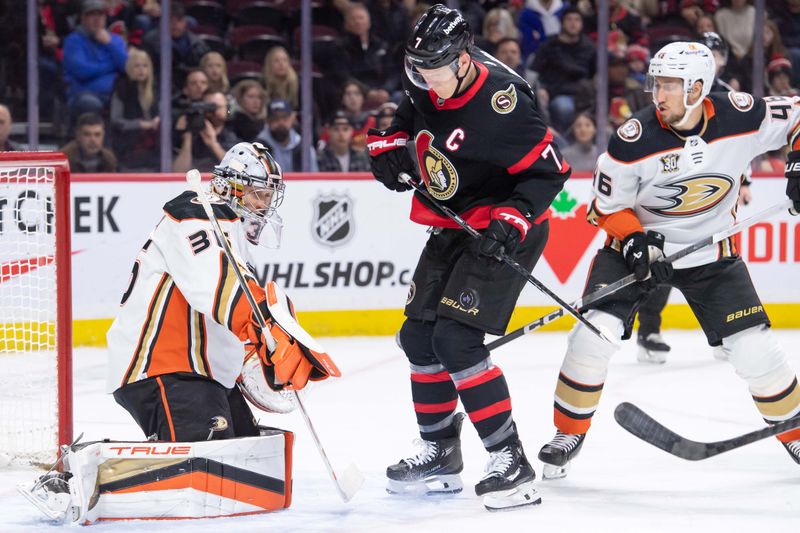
<point x="158" y="480"/>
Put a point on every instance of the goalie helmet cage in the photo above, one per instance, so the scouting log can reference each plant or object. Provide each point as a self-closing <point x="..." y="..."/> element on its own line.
<point x="35" y="307"/>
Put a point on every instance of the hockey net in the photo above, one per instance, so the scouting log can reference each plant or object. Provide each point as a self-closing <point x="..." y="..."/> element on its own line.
<point x="35" y="307"/>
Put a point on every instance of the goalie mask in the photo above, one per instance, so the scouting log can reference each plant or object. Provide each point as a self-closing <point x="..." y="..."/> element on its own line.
<point x="250" y="181"/>
<point x="691" y="62"/>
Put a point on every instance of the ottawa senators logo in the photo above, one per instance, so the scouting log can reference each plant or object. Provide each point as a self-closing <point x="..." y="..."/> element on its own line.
<point x="693" y="196"/>
<point x="438" y="173"/>
<point x="505" y="101"/>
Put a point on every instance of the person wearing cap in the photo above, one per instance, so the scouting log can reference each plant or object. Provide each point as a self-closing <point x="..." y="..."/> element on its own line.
<point x="338" y="154"/>
<point x="779" y="74"/>
<point x="625" y="94"/>
<point x="282" y="140"/>
<point x="385" y="115"/>
<point x="93" y="57"/>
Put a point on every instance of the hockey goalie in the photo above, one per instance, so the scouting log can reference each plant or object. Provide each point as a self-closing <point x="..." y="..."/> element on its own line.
<point x="185" y="350"/>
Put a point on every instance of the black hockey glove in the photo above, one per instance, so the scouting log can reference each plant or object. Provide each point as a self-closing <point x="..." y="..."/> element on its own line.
<point x="644" y="255"/>
<point x="507" y="228"/>
<point x="389" y="157"/>
<point x="792" y="172"/>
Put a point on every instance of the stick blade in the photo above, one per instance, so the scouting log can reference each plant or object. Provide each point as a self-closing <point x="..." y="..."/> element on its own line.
<point x="643" y="426"/>
<point x="349" y="482"/>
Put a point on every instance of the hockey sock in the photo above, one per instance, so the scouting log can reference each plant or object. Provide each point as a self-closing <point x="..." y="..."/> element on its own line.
<point x="484" y="393"/>
<point x="435" y="401"/>
<point x="575" y="404"/>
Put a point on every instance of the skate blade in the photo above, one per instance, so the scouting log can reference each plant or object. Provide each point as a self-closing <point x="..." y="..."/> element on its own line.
<point x="652" y="357"/>
<point x="433" y="486"/>
<point x="54" y="508"/>
<point x="550" y="472"/>
<point x="508" y="500"/>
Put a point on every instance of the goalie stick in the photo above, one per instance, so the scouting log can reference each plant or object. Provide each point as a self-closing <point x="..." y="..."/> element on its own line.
<point x="522" y="271"/>
<point x="351" y="479"/>
<point x="582" y="302"/>
<point x="646" y="428"/>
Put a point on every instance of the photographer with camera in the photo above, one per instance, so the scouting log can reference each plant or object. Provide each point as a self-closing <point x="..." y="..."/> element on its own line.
<point x="203" y="133"/>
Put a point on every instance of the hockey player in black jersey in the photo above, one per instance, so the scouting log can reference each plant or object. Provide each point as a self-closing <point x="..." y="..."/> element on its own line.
<point x="484" y="152"/>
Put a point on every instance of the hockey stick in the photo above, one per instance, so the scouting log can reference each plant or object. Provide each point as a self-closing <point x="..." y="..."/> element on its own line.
<point x="646" y="428"/>
<point x="351" y="479"/>
<point x="582" y="302"/>
<point x="522" y="271"/>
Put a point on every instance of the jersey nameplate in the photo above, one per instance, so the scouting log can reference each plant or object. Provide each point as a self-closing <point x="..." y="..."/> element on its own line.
<point x="505" y="101"/>
<point x="630" y="131"/>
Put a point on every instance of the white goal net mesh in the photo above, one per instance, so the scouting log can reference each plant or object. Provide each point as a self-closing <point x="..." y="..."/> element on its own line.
<point x="29" y="418"/>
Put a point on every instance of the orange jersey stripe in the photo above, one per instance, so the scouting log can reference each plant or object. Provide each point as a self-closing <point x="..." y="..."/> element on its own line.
<point x="166" y="409"/>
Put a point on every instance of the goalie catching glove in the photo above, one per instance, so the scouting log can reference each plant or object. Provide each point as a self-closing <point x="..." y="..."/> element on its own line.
<point x="297" y="357"/>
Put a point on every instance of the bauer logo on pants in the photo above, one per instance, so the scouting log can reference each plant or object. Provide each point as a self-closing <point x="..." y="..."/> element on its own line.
<point x="333" y="219"/>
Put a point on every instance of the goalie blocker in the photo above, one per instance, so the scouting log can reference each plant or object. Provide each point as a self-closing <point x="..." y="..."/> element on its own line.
<point x="168" y="480"/>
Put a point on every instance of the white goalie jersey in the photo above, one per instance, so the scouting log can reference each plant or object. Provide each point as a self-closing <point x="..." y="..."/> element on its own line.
<point x="687" y="187"/>
<point x="184" y="308"/>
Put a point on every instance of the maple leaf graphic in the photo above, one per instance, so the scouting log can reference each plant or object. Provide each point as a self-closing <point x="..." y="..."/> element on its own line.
<point x="564" y="206"/>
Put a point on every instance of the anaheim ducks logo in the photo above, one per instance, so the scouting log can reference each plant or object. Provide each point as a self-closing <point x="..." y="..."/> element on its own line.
<point x="505" y="101"/>
<point x="693" y="196"/>
<point x="438" y="172"/>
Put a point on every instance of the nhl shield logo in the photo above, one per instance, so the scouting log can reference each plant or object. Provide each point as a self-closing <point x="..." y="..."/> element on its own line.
<point x="333" y="219"/>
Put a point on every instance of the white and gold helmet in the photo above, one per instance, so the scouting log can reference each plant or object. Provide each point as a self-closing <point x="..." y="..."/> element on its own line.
<point x="250" y="181"/>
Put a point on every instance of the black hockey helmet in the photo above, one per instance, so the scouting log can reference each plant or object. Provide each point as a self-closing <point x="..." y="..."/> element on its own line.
<point x="714" y="42"/>
<point x="439" y="37"/>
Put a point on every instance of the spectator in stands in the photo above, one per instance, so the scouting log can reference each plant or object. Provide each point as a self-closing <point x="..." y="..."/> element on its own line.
<point x="280" y="78"/>
<point x="626" y="91"/>
<point x="538" y="21"/>
<point x="204" y="138"/>
<point x="368" y="57"/>
<point x="338" y="155"/>
<point x="195" y="85"/>
<point x="498" y="25"/>
<point x="354" y="95"/>
<point x="282" y="140"/>
<point x="735" y="22"/>
<point x="705" y="23"/>
<point x="134" y="115"/>
<point x="638" y="58"/>
<point x="562" y="63"/>
<point x="582" y="152"/>
<point x="86" y="152"/>
<point x="385" y="115"/>
<point x="187" y="48"/>
<point x="92" y="59"/>
<point x="213" y="64"/>
<point x="718" y="47"/>
<point x="779" y="75"/>
<point x="787" y="15"/>
<point x="6" y="144"/>
<point x="508" y="51"/>
<point x="250" y="110"/>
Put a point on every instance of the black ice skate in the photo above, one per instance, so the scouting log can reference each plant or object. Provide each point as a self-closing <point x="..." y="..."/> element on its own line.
<point x="434" y="470"/>
<point x="557" y="454"/>
<point x="508" y="482"/>
<point x="793" y="447"/>
<point x="652" y="349"/>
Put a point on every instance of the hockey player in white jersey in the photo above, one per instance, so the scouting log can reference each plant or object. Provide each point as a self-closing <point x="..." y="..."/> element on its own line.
<point x="184" y="351"/>
<point x="671" y="174"/>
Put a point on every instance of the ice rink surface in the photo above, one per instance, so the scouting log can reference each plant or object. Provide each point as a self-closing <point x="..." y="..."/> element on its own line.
<point x="618" y="483"/>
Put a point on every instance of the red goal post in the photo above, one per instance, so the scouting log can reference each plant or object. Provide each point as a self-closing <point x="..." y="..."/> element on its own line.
<point x="35" y="306"/>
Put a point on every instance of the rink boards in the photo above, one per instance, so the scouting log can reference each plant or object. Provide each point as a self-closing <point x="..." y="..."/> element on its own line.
<point x="349" y="251"/>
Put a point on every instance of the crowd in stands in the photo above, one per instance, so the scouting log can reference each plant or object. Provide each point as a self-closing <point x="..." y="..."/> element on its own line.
<point x="236" y="63"/>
